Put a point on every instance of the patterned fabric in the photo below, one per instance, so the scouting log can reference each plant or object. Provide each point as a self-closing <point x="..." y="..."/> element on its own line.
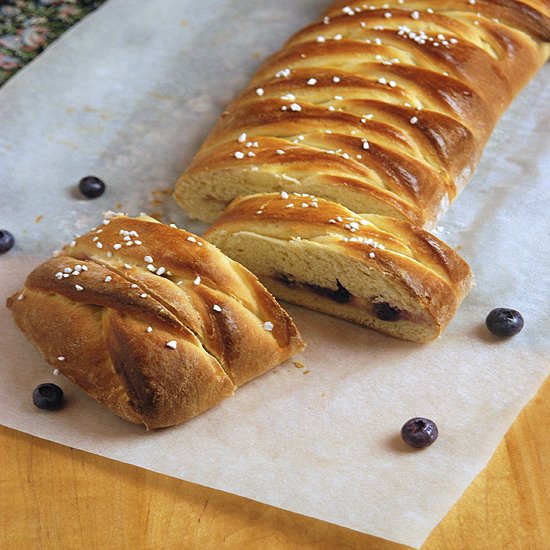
<point x="28" y="26"/>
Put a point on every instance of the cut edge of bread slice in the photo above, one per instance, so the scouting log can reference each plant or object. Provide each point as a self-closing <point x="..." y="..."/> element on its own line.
<point x="204" y="192"/>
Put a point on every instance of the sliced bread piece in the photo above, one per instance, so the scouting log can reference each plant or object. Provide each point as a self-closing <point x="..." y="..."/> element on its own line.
<point x="374" y="270"/>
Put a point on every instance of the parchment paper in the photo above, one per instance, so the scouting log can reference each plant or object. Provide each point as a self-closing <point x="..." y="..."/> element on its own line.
<point x="128" y="95"/>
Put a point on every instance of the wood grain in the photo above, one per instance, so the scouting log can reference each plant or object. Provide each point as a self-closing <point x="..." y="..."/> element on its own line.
<point x="55" y="497"/>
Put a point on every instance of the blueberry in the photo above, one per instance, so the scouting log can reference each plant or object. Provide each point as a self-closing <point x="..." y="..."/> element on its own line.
<point x="504" y="322"/>
<point x="385" y="312"/>
<point x="341" y="295"/>
<point x="48" y="397"/>
<point x="6" y="241"/>
<point x="91" y="187"/>
<point x="419" y="432"/>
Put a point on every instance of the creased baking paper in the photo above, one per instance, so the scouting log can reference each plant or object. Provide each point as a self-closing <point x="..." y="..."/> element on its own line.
<point x="128" y="95"/>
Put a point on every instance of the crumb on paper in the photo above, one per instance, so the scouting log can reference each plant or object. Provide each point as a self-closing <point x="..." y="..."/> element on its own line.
<point x="97" y="129"/>
<point x="307" y="371"/>
<point x="257" y="55"/>
<point x="158" y="95"/>
<point x="298" y="364"/>
<point x="88" y="109"/>
<point x="69" y="144"/>
<point x="184" y="22"/>
<point x="118" y="205"/>
<point x="39" y="218"/>
<point x="323" y="394"/>
<point x="159" y="196"/>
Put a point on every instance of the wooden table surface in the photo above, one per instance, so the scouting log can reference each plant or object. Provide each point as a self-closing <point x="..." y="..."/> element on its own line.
<point x="55" y="497"/>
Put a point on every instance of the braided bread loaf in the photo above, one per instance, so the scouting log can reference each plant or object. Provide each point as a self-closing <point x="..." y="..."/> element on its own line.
<point x="383" y="107"/>
<point x="374" y="270"/>
<point x="151" y="321"/>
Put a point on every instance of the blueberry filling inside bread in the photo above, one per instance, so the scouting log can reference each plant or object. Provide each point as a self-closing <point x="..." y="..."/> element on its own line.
<point x="340" y="295"/>
<point x="383" y="310"/>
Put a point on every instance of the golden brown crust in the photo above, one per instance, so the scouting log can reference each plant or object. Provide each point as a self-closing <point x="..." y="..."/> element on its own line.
<point x="422" y="83"/>
<point x="157" y="345"/>
<point x="435" y="278"/>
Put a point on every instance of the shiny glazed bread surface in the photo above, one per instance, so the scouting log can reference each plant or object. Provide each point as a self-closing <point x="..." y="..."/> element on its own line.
<point x="152" y="321"/>
<point x="383" y="107"/>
